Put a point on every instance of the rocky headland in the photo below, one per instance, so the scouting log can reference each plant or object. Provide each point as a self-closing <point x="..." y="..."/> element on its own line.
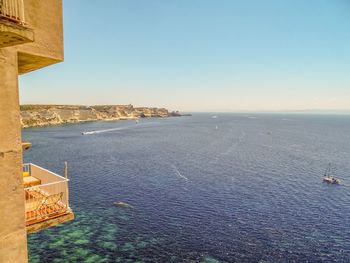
<point x="45" y="115"/>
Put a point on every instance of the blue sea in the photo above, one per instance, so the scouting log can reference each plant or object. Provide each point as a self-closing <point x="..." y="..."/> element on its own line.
<point x="236" y="188"/>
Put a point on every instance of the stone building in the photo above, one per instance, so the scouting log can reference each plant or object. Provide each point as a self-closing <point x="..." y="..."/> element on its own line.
<point x="31" y="197"/>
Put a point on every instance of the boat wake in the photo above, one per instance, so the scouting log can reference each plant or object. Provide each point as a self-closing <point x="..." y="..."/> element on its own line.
<point x="178" y="173"/>
<point x="114" y="129"/>
<point x="102" y="131"/>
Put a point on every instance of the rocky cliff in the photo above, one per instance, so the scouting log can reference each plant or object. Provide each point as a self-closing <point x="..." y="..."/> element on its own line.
<point x="43" y="115"/>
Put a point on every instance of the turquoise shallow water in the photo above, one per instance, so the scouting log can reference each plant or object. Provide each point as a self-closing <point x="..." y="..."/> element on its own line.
<point x="249" y="190"/>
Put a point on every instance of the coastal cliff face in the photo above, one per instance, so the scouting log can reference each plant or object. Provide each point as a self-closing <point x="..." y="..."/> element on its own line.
<point x="44" y="115"/>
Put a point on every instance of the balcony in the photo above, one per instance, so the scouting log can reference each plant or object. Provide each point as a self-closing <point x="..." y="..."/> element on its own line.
<point x="46" y="198"/>
<point x="13" y="30"/>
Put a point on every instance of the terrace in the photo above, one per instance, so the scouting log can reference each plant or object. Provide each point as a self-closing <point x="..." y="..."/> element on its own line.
<point x="13" y="29"/>
<point x="46" y="198"/>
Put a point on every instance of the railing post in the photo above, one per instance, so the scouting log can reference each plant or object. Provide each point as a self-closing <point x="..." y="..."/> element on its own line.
<point x="66" y="170"/>
<point x="21" y="11"/>
<point x="13" y="10"/>
<point x="66" y="176"/>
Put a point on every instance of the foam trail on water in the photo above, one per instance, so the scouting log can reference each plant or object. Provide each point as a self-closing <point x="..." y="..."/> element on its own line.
<point x="178" y="173"/>
<point x="102" y="131"/>
<point x="113" y="129"/>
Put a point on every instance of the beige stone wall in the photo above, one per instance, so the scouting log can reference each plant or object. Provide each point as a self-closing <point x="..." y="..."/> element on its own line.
<point x="45" y="18"/>
<point x="13" y="237"/>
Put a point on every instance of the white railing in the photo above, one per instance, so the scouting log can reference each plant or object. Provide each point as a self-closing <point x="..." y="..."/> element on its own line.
<point x="12" y="10"/>
<point x="48" y="197"/>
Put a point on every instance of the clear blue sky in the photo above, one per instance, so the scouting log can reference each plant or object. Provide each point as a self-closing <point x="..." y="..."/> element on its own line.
<point x="201" y="55"/>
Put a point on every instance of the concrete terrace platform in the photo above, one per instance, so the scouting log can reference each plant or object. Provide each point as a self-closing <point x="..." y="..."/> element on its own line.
<point x="34" y="227"/>
<point x="12" y="34"/>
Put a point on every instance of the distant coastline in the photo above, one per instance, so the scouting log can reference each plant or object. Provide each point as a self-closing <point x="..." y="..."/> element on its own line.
<point x="48" y="115"/>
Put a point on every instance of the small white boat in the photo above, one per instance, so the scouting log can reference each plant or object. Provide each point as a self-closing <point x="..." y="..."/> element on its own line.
<point x="214" y="117"/>
<point x="331" y="180"/>
<point x="88" y="133"/>
<point x="328" y="178"/>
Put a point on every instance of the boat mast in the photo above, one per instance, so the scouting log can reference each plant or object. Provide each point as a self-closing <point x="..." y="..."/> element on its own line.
<point x="328" y="170"/>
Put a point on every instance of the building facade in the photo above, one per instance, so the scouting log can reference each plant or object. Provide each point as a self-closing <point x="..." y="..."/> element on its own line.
<point x="31" y="198"/>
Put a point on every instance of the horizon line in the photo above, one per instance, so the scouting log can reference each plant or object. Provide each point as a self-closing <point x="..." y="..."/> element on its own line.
<point x="207" y="111"/>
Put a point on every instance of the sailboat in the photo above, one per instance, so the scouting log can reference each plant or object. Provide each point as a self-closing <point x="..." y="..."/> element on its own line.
<point x="328" y="177"/>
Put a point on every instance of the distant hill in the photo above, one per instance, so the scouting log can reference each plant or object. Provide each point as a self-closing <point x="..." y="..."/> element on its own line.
<point x="44" y="115"/>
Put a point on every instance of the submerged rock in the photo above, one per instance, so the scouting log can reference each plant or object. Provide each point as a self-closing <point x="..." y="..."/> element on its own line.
<point x="123" y="204"/>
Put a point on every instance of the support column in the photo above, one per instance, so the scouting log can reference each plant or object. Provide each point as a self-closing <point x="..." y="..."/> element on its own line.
<point x="13" y="236"/>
